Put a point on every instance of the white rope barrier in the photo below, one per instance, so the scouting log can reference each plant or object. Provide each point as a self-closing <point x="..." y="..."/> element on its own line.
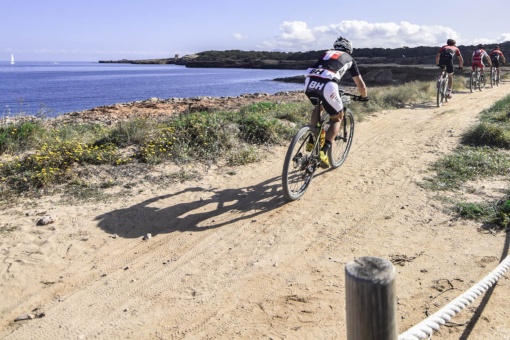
<point x="424" y="329"/>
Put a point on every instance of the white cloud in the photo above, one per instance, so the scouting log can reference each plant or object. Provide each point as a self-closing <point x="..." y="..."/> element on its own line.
<point x="489" y="42"/>
<point x="239" y="36"/>
<point x="483" y="41"/>
<point x="503" y="37"/>
<point x="296" y="32"/>
<point x="297" y="36"/>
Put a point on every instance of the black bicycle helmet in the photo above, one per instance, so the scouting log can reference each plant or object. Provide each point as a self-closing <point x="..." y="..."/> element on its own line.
<point x="343" y="44"/>
<point x="451" y="42"/>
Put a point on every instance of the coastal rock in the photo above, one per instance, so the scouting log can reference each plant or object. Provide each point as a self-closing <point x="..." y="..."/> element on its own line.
<point x="383" y="74"/>
<point x="161" y="108"/>
<point x="393" y="74"/>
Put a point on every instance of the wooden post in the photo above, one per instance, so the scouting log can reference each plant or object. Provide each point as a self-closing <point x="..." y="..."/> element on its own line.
<point x="370" y="299"/>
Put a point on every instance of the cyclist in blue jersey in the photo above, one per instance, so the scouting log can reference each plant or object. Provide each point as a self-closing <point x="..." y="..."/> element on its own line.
<point x="321" y="84"/>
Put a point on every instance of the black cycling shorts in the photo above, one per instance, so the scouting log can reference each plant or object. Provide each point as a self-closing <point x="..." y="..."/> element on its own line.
<point x="448" y="64"/>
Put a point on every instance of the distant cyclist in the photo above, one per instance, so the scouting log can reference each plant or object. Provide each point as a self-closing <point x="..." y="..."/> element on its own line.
<point x="322" y="84"/>
<point x="444" y="58"/>
<point x="477" y="58"/>
<point x="497" y="56"/>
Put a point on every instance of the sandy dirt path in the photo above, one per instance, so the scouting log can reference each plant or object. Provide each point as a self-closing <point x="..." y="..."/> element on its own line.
<point x="230" y="259"/>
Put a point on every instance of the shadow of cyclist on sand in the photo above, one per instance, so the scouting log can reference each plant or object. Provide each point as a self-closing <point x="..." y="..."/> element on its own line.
<point x="193" y="209"/>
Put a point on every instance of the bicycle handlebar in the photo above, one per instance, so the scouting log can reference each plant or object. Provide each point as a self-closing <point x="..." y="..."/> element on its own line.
<point x="354" y="97"/>
<point x="360" y="99"/>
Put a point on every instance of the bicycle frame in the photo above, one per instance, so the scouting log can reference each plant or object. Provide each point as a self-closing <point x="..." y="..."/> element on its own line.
<point x="323" y="119"/>
<point x="303" y="154"/>
<point x="494" y="76"/>
<point x="323" y="124"/>
<point x="477" y="79"/>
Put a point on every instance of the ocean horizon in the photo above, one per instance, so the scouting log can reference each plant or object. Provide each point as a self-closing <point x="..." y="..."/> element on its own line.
<point x="54" y="88"/>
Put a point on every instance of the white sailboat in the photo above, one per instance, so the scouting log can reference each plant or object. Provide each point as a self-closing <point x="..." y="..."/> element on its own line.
<point x="12" y="59"/>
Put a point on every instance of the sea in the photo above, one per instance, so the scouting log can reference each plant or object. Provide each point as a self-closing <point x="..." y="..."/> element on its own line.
<point x="51" y="89"/>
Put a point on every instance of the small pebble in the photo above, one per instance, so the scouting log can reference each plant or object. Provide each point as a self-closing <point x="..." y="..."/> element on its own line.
<point x="45" y="220"/>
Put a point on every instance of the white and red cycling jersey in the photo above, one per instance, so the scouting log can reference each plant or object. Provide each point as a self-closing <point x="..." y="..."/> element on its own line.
<point x="477" y="58"/>
<point x="323" y="77"/>
<point x="332" y="65"/>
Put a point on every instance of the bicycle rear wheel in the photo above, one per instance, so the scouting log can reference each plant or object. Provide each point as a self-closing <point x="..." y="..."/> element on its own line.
<point x="472" y="81"/>
<point x="439" y="91"/>
<point x="444" y="88"/>
<point x="482" y="82"/>
<point x="338" y="152"/>
<point x="299" y="165"/>
<point x="493" y="77"/>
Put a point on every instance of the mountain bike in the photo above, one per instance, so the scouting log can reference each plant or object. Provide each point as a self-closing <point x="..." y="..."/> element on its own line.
<point x="442" y="87"/>
<point x="494" y="76"/>
<point x="477" y="80"/>
<point x="300" y="165"/>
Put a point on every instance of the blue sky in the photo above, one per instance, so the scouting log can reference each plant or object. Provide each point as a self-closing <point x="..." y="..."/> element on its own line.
<point x="92" y="30"/>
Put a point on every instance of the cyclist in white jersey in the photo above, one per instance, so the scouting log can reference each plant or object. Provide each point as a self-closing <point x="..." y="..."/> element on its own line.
<point x="322" y="82"/>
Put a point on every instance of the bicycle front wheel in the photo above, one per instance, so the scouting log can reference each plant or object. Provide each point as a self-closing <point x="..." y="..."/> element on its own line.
<point x="339" y="150"/>
<point x="299" y="165"/>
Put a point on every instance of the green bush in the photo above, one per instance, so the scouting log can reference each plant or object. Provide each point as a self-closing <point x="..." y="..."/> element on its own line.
<point x="85" y="133"/>
<point x="503" y="216"/>
<point x="297" y="113"/>
<point x="494" y="130"/>
<point x="244" y="155"/>
<point x="499" y="112"/>
<point x="474" y="211"/>
<point x="488" y="134"/>
<point x="16" y="138"/>
<point x="467" y="163"/>
<point x="193" y="136"/>
<point x="128" y="133"/>
<point x="52" y="164"/>
<point x="258" y="129"/>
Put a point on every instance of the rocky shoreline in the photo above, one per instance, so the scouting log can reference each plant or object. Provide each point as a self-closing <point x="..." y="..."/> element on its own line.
<point x="161" y="108"/>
